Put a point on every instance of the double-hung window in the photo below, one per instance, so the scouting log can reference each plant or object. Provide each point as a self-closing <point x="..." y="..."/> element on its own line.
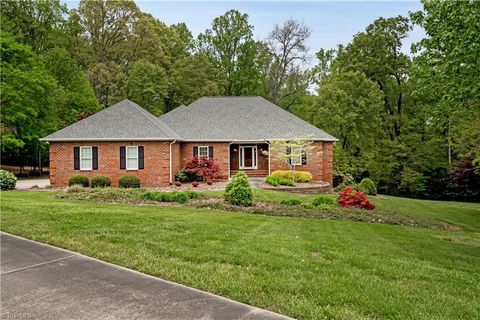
<point x="131" y="157"/>
<point x="86" y="158"/>
<point x="296" y="156"/>
<point x="203" y="151"/>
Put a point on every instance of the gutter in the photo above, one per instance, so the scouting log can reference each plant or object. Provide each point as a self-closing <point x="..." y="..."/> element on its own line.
<point x="170" y="158"/>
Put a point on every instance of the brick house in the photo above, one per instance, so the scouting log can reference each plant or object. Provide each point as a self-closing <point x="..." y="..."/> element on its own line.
<point x="234" y="131"/>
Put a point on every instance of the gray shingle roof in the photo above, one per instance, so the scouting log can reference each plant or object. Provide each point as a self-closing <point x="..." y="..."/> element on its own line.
<point x="123" y="121"/>
<point x="239" y="119"/>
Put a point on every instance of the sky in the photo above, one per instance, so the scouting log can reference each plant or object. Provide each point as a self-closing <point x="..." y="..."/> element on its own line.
<point x="331" y="22"/>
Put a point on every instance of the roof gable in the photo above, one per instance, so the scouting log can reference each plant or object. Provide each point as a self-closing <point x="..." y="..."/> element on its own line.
<point x="239" y="119"/>
<point x="122" y="121"/>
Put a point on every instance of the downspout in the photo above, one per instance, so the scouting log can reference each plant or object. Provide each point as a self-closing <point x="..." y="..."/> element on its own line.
<point x="268" y="143"/>
<point x="229" y="169"/>
<point x="170" y="148"/>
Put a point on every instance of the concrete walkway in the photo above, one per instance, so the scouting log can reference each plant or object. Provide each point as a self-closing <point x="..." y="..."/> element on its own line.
<point x="39" y="281"/>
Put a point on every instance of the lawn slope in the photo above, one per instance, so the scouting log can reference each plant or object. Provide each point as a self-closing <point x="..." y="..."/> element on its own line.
<point x="304" y="268"/>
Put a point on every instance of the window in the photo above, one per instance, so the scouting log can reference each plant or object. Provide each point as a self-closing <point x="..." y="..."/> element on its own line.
<point x="298" y="156"/>
<point x="132" y="157"/>
<point x="203" y="151"/>
<point x="86" y="158"/>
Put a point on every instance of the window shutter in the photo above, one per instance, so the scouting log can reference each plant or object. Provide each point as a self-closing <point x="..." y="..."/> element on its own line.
<point x="195" y="151"/>
<point x="210" y="152"/>
<point x="95" y="158"/>
<point x="289" y="150"/>
<point x="122" y="158"/>
<point x="76" y="158"/>
<point x="140" y="157"/>
<point x="304" y="157"/>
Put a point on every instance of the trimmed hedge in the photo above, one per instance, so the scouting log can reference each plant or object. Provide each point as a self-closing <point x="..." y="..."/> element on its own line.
<point x="8" y="181"/>
<point x="238" y="191"/>
<point x="285" y="182"/>
<point x="300" y="176"/>
<point x="79" y="180"/>
<point x="100" y="182"/>
<point x="271" y="180"/>
<point x="129" y="181"/>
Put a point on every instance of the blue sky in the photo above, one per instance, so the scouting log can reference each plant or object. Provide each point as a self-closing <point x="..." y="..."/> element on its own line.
<point x="331" y="22"/>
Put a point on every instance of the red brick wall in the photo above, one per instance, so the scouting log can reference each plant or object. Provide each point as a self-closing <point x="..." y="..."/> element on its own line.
<point x="155" y="174"/>
<point x="220" y="155"/>
<point x="319" y="162"/>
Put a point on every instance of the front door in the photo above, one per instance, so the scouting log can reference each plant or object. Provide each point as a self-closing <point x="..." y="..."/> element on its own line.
<point x="248" y="157"/>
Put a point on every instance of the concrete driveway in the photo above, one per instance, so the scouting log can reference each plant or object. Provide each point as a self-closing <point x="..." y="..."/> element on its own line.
<point x="29" y="183"/>
<point x="43" y="282"/>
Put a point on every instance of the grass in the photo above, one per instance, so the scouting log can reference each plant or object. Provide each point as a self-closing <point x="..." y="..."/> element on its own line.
<point x="304" y="268"/>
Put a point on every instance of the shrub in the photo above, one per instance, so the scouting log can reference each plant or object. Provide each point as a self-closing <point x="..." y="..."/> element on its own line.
<point x="79" y="180"/>
<point x="238" y="191"/>
<point x="185" y="176"/>
<point x="291" y="202"/>
<point x="323" y="200"/>
<point x="285" y="182"/>
<point x="202" y="167"/>
<point x="300" y="176"/>
<point x="271" y="180"/>
<point x="179" y="197"/>
<point x="351" y="198"/>
<point x="8" y="181"/>
<point x="129" y="181"/>
<point x="367" y="186"/>
<point x="75" y="188"/>
<point x="100" y="182"/>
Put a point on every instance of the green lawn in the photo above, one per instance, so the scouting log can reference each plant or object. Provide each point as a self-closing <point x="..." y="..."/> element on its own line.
<point x="304" y="268"/>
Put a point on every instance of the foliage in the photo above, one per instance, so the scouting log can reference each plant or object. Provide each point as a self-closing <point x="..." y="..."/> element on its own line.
<point x="202" y="167"/>
<point x="185" y="176"/>
<point x="271" y="180"/>
<point x="79" y="180"/>
<point x="148" y="86"/>
<point x="290" y="151"/>
<point x="8" y="180"/>
<point x="367" y="186"/>
<point x="291" y="202"/>
<point x="300" y="176"/>
<point x="351" y="198"/>
<point x="412" y="182"/>
<point x="180" y="197"/>
<point x="129" y="181"/>
<point x="323" y="200"/>
<point x="238" y="191"/>
<point x="100" y="182"/>
<point x="285" y="182"/>
<point x="465" y="184"/>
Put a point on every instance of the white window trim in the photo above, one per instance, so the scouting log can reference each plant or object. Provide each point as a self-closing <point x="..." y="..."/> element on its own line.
<point x="208" y="151"/>
<point x="127" y="157"/>
<point x="296" y="161"/>
<point x="82" y="167"/>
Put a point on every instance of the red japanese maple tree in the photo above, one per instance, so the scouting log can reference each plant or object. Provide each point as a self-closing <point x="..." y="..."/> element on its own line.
<point x="203" y="167"/>
<point x="351" y="198"/>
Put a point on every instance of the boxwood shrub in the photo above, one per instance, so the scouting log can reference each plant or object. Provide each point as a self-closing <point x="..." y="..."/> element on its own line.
<point x="323" y="200"/>
<point x="238" y="192"/>
<point x="8" y="181"/>
<point x="300" y="176"/>
<point x="271" y="180"/>
<point x="100" y="182"/>
<point x="129" y="181"/>
<point x="285" y="182"/>
<point x="79" y="180"/>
